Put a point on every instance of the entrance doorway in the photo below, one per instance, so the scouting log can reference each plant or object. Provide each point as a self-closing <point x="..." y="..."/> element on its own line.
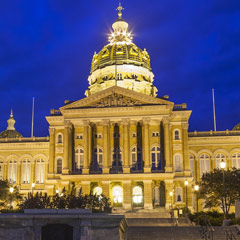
<point x="57" y="232"/>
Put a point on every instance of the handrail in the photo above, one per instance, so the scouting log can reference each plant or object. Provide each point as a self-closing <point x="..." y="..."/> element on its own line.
<point x="206" y="229"/>
<point x="229" y="234"/>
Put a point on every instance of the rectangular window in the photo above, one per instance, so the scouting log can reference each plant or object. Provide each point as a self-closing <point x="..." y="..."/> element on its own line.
<point x="79" y="136"/>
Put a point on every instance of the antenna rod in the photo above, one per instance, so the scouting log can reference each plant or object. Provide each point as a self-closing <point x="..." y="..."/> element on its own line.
<point x="32" y="117"/>
<point x="214" y="112"/>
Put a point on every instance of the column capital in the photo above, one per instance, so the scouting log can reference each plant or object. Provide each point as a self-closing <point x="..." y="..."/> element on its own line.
<point x="106" y="182"/>
<point x="86" y="123"/>
<point x="185" y="125"/>
<point x="67" y="123"/>
<point x="51" y="131"/>
<point x="125" y="121"/>
<point x="105" y="122"/>
<point x="165" y="120"/>
<point x="146" y="120"/>
<point x="126" y="181"/>
<point x="147" y="181"/>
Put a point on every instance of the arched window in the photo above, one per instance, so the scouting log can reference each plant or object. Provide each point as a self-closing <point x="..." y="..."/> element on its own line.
<point x="97" y="191"/>
<point x="177" y="163"/>
<point x="191" y="164"/>
<point x="204" y="164"/>
<point x="26" y="171"/>
<point x="60" y="138"/>
<point x="137" y="195"/>
<point x="220" y="158"/>
<point x="1" y="170"/>
<point x="178" y="194"/>
<point x="59" y="166"/>
<point x="12" y="171"/>
<point x="40" y="170"/>
<point x="236" y="160"/>
<point x="119" y="76"/>
<point x="98" y="153"/>
<point x="79" y="158"/>
<point x="117" y="193"/>
<point x="135" y="155"/>
<point x="156" y="157"/>
<point x="176" y="135"/>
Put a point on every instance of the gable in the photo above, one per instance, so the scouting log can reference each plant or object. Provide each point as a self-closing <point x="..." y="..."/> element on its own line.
<point x="116" y="97"/>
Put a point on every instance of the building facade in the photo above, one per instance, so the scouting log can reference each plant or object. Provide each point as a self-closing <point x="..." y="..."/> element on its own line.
<point x="121" y="140"/>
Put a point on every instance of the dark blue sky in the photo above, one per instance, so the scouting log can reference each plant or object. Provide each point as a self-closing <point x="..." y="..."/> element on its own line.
<point x="46" y="47"/>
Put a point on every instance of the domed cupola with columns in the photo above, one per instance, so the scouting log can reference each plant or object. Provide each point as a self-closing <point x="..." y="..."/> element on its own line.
<point x="121" y="63"/>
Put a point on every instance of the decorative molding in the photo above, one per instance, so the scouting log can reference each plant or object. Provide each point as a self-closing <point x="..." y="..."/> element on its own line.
<point x="59" y="150"/>
<point x="177" y="146"/>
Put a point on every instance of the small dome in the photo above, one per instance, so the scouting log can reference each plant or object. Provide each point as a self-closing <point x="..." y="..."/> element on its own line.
<point x="10" y="132"/>
<point x="237" y="127"/>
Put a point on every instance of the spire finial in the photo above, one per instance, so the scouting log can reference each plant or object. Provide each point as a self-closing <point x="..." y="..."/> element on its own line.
<point x="119" y="9"/>
<point x="11" y="122"/>
<point x="11" y="115"/>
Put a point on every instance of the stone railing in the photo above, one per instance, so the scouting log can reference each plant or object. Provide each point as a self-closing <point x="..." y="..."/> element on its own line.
<point x="22" y="139"/>
<point x="214" y="133"/>
<point x="180" y="107"/>
<point x="55" y="112"/>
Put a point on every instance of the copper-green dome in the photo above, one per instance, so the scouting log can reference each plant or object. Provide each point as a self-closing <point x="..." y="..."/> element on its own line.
<point x="237" y="127"/>
<point x="10" y="134"/>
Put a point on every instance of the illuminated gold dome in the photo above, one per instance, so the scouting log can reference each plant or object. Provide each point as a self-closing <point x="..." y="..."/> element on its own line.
<point x="121" y="63"/>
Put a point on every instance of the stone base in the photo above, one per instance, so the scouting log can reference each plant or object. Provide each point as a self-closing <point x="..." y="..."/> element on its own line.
<point x="127" y="206"/>
<point x="65" y="171"/>
<point x="105" y="170"/>
<point x="147" y="170"/>
<point x="148" y="206"/>
<point x="85" y="171"/>
<point x="126" y="170"/>
<point x="168" y="169"/>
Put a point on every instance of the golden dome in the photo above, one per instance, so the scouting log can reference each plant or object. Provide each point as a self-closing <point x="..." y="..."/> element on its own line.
<point x="120" y="53"/>
<point x="121" y="63"/>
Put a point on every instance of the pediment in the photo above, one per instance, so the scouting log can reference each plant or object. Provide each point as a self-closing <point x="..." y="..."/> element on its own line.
<point x="116" y="97"/>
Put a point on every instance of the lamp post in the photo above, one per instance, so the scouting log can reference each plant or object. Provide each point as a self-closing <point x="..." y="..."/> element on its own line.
<point x="11" y="197"/>
<point x="33" y="186"/>
<point x="186" y="185"/>
<point x="171" y="195"/>
<point x="223" y="165"/>
<point x="57" y="191"/>
<point x="196" y="188"/>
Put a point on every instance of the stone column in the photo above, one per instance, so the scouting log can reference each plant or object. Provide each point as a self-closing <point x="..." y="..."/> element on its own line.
<point x="146" y="145"/>
<point x="127" y="194"/>
<point x="186" y="162"/>
<point x="126" y="151"/>
<point x="106" y="146"/>
<point x="89" y="145"/>
<point x="105" y="188"/>
<point x="170" y="200"/>
<point x="67" y="147"/>
<point x="85" y="187"/>
<point x="168" y="166"/>
<point x="86" y="147"/>
<point x="51" y="152"/>
<point x="148" y="198"/>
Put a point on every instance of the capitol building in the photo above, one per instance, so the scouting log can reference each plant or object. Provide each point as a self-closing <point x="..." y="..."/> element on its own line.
<point x="122" y="139"/>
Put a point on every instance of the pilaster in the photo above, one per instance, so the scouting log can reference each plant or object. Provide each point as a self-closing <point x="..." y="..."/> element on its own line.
<point x="168" y="166"/>
<point x="126" y="151"/>
<point x="127" y="194"/>
<point x="67" y="144"/>
<point x="185" y="149"/>
<point x="105" y="188"/>
<point x="51" y="152"/>
<point x="85" y="187"/>
<point x="106" y="144"/>
<point x="169" y="188"/>
<point x="146" y="144"/>
<point x="148" y="198"/>
<point x="86" y="147"/>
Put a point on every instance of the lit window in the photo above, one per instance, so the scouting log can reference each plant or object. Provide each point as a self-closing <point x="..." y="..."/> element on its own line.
<point x="220" y="158"/>
<point x="26" y="170"/>
<point x="79" y="158"/>
<point x="117" y="193"/>
<point x="136" y="155"/>
<point x="177" y="163"/>
<point x="178" y="194"/>
<point x="12" y="171"/>
<point x="204" y="163"/>
<point x="97" y="191"/>
<point x="59" y="165"/>
<point x="137" y="195"/>
<point x="176" y="135"/>
<point x="156" y="157"/>
<point x="40" y="171"/>
<point x="119" y="76"/>
<point x="59" y="138"/>
<point x="236" y="160"/>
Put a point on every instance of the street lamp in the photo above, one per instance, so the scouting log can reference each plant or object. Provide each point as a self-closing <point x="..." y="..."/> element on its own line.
<point x="196" y="188"/>
<point x="57" y="191"/>
<point x="223" y="165"/>
<point x="11" y="197"/>
<point x="171" y="195"/>
<point x="186" y="185"/>
<point x="33" y="186"/>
